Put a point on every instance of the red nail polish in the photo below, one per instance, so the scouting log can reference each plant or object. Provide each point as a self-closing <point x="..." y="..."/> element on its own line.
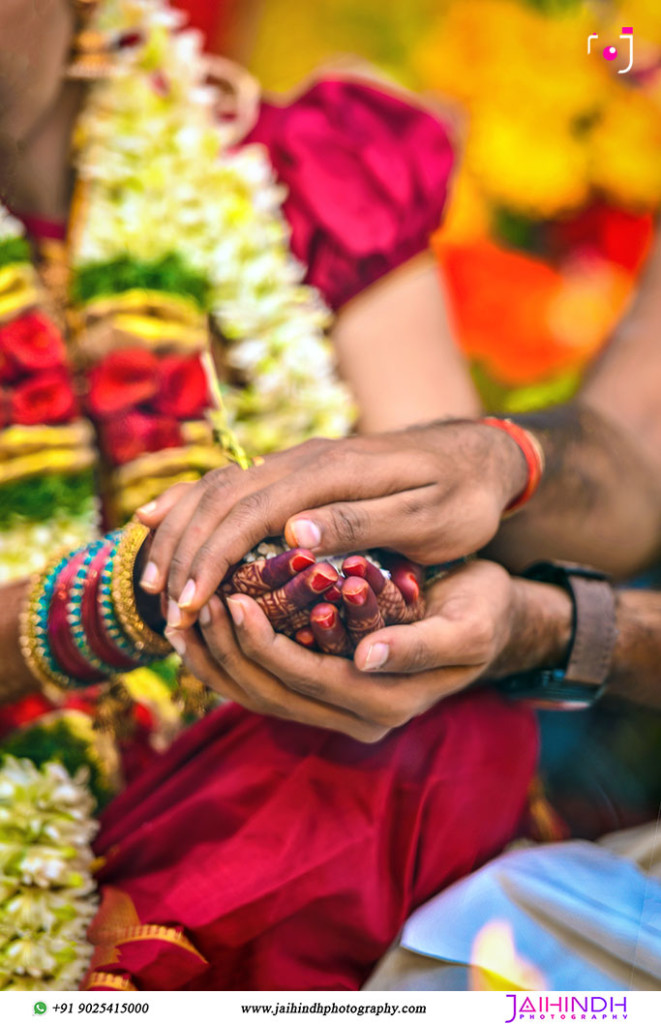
<point x="324" y="615"/>
<point x="355" y="565"/>
<point x="322" y="578"/>
<point x="355" y="591"/>
<point x="301" y="560"/>
<point x="305" y="637"/>
<point x="414" y="592"/>
<point x="333" y="595"/>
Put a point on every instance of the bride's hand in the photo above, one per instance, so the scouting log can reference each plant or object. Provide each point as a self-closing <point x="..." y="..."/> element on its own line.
<point x="288" y="588"/>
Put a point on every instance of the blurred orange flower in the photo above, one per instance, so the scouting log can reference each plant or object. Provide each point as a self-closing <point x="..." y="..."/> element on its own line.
<point x="524" y="321"/>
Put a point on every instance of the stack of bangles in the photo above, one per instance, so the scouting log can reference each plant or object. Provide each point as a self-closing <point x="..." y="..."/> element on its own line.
<point x="81" y="624"/>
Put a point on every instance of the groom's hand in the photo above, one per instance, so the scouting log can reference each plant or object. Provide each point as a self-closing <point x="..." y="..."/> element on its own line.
<point x="433" y="493"/>
<point x="480" y="623"/>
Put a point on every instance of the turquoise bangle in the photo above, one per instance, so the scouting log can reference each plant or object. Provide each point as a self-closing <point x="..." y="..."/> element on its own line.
<point x="109" y="615"/>
<point x="75" y="611"/>
<point x="41" y="610"/>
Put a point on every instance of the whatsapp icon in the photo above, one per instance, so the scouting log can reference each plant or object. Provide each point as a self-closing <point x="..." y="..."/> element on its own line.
<point x="40" y="1008"/>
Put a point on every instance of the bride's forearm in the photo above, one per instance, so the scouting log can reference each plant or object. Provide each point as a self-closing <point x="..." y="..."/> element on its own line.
<point x="397" y="352"/>
<point x="16" y="680"/>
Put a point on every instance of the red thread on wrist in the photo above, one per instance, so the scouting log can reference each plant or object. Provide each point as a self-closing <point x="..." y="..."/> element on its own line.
<point x="532" y="453"/>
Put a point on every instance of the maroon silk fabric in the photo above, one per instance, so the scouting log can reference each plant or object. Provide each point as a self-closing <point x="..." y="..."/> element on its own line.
<point x="289" y="857"/>
<point x="367" y="174"/>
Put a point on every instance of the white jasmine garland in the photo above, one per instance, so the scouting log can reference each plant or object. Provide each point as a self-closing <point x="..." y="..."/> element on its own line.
<point x="47" y="894"/>
<point x="161" y="180"/>
<point x="9" y="226"/>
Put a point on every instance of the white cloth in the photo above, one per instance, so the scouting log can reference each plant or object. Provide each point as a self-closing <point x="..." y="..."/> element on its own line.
<point x="586" y="918"/>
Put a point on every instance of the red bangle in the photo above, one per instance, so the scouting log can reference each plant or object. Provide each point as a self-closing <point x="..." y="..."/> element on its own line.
<point x="61" y="642"/>
<point x="532" y="453"/>
<point x="95" y="631"/>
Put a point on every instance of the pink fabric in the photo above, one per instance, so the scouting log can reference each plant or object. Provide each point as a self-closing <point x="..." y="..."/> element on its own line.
<point x="367" y="174"/>
<point x="42" y="228"/>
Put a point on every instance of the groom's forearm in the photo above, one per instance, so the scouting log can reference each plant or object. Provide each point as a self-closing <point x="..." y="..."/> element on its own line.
<point x="542" y="634"/>
<point x="636" y="671"/>
<point x="600" y="498"/>
<point x="599" y="502"/>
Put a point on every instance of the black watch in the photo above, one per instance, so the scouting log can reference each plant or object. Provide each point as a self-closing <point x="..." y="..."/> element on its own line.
<point x="582" y="680"/>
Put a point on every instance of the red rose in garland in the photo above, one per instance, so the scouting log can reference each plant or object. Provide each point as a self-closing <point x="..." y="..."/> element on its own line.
<point x="31" y="344"/>
<point x="183" y="388"/>
<point x="7" y="366"/>
<point x="46" y="398"/>
<point x="5" y="408"/>
<point x="135" y="432"/>
<point x="123" y="380"/>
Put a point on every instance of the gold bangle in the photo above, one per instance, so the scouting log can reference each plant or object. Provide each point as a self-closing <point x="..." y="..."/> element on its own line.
<point x="122" y="587"/>
<point x="33" y="638"/>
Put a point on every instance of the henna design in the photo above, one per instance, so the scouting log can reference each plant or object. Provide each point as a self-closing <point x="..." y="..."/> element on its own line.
<point x="265" y="574"/>
<point x="390" y="601"/>
<point x="280" y="605"/>
<point x="363" y="615"/>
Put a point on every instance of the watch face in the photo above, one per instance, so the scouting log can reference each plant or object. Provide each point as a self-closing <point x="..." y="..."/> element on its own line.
<point x="547" y="688"/>
<point x="539" y="704"/>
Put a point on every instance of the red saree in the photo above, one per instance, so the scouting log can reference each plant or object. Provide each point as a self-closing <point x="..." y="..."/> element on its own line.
<point x="264" y="855"/>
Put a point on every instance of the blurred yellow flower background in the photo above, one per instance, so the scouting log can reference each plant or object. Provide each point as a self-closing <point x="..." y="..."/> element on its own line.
<point x="560" y="160"/>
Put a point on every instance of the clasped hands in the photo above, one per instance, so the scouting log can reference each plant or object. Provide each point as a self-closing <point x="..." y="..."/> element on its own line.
<point x="432" y="494"/>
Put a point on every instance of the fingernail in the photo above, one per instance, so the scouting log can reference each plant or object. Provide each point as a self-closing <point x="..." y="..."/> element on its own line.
<point x="146" y="510"/>
<point x="306" y="533"/>
<point x="354" y="565"/>
<point x="177" y="641"/>
<point x="174" y="613"/>
<point x="235" y="606"/>
<point x="187" y="594"/>
<point x="204" y="617"/>
<point x="377" y="656"/>
<point x="322" y="578"/>
<point x="414" y="592"/>
<point x="324" y="615"/>
<point x="149" y="579"/>
<point x="305" y="637"/>
<point x="355" y="591"/>
<point x="301" y="560"/>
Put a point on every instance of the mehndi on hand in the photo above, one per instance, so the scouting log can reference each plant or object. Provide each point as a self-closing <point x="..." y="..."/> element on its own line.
<point x="325" y="606"/>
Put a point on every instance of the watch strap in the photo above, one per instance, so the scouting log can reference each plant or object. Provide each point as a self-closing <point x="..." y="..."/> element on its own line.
<point x="583" y="678"/>
<point x="594" y="630"/>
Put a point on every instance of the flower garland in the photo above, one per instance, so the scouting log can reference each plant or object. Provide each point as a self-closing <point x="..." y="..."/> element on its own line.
<point x="47" y="895"/>
<point x="205" y="223"/>
<point x="171" y="229"/>
<point x="46" y="453"/>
